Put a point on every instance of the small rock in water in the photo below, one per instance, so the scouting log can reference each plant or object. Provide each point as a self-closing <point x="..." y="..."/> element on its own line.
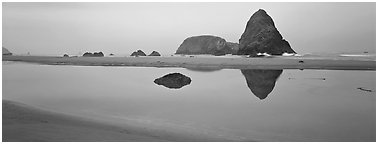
<point x="363" y="89"/>
<point x="173" y="80"/>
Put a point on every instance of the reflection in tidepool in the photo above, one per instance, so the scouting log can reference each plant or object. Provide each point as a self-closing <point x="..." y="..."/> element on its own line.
<point x="261" y="82"/>
<point x="302" y="107"/>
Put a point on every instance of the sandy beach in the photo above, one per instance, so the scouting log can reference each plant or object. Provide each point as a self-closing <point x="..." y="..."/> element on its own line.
<point x="198" y="62"/>
<point x="23" y="123"/>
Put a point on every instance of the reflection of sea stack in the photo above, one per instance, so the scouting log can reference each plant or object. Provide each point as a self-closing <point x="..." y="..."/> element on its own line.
<point x="261" y="82"/>
<point x="173" y="80"/>
<point x="206" y="44"/>
<point x="261" y="36"/>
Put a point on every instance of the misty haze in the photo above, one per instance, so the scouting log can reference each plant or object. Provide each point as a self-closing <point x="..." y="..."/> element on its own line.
<point x="188" y="72"/>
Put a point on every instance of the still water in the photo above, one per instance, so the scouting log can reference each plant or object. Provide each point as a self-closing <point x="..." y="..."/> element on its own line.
<point x="251" y="105"/>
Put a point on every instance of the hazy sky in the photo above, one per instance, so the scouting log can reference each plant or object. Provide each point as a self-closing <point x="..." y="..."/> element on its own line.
<point x="121" y="28"/>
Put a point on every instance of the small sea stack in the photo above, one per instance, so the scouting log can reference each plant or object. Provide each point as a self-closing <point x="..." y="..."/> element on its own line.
<point x="96" y="54"/>
<point x="138" y="53"/>
<point x="154" y="53"/>
<point x="6" y="51"/>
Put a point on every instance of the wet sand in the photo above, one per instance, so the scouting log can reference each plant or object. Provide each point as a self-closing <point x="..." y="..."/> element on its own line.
<point x="23" y="123"/>
<point x="277" y="62"/>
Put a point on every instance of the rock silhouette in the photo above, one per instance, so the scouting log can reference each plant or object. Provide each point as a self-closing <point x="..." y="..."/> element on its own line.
<point x="173" y="80"/>
<point x="261" y="36"/>
<point x="205" y="44"/>
<point x="6" y="51"/>
<point x="155" y="53"/>
<point x="96" y="54"/>
<point x="261" y="82"/>
<point x="138" y="53"/>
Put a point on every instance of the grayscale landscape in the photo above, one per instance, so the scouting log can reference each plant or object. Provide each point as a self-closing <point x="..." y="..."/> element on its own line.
<point x="188" y="72"/>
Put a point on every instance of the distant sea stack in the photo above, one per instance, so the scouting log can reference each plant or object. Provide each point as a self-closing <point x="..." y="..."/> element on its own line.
<point x="205" y="44"/>
<point x="155" y="53"/>
<point x="261" y="36"/>
<point x="95" y="54"/>
<point x="6" y="51"/>
<point x="138" y="53"/>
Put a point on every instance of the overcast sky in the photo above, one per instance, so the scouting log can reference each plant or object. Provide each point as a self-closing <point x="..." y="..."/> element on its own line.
<point x="121" y="28"/>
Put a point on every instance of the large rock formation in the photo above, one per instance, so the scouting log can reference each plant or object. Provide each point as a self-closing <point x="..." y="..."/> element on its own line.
<point x="155" y="53"/>
<point x="6" y="51"/>
<point x="138" y="53"/>
<point x="261" y="82"/>
<point x="261" y="36"/>
<point x="205" y="44"/>
<point x="173" y="80"/>
<point x="234" y="47"/>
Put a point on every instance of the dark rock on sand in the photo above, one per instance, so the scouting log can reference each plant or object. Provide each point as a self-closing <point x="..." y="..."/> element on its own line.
<point x="261" y="82"/>
<point x="6" y="51"/>
<point x="261" y="36"/>
<point x="138" y="53"/>
<point x="66" y="55"/>
<point x="173" y="80"/>
<point x="205" y="44"/>
<point x="154" y="53"/>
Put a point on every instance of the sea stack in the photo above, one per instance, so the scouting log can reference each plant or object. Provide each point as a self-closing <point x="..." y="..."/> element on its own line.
<point x="204" y="44"/>
<point x="261" y="36"/>
<point x="138" y="53"/>
<point x="6" y="51"/>
<point x="155" y="53"/>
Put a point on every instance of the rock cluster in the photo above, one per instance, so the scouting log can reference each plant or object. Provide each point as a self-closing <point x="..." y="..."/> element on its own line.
<point x="260" y="36"/>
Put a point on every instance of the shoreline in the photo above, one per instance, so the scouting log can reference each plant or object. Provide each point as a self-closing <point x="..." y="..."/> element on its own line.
<point x="278" y="62"/>
<point x="24" y="123"/>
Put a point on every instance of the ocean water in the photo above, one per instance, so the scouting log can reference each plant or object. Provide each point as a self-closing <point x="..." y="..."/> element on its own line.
<point x="245" y="105"/>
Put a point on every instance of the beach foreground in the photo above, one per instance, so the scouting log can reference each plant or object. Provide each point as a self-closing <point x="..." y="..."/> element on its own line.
<point x="23" y="123"/>
<point x="276" y="62"/>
